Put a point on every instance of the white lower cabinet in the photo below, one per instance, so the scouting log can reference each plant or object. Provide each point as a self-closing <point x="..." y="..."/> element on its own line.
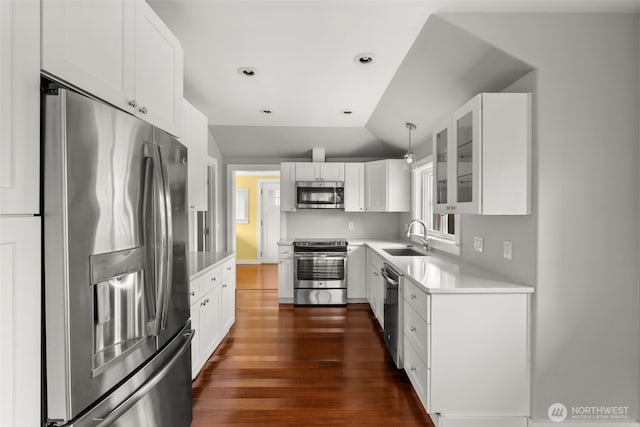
<point x="356" y="273"/>
<point x="285" y="274"/>
<point x="375" y="286"/>
<point x="20" y="289"/>
<point x="466" y="356"/>
<point x="213" y="312"/>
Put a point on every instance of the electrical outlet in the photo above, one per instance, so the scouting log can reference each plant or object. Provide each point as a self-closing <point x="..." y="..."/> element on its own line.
<point x="478" y="244"/>
<point x="350" y="225"/>
<point x="507" y="249"/>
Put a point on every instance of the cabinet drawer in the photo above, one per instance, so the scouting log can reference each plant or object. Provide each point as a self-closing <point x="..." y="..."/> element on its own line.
<point x="418" y="300"/>
<point x="418" y="373"/>
<point x="227" y="268"/>
<point x="417" y="332"/>
<point x="285" y="252"/>
<point x="208" y="280"/>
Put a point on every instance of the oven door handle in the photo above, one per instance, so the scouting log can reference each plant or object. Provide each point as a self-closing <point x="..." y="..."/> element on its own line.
<point x="319" y="257"/>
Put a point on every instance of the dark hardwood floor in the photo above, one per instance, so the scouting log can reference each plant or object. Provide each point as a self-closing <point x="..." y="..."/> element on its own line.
<point x="289" y="366"/>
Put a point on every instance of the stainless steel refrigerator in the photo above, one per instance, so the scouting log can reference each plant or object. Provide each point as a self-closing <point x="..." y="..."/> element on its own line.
<point x="117" y="330"/>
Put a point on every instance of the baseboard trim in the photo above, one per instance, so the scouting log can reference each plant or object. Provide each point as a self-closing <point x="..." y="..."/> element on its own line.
<point x="247" y="261"/>
<point x="585" y="423"/>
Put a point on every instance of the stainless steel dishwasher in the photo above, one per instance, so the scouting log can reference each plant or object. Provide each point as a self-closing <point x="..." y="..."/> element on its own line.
<point x="393" y="314"/>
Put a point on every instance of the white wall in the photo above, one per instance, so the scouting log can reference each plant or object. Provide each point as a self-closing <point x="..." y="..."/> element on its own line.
<point x="221" y="207"/>
<point x="586" y="210"/>
<point x="329" y="223"/>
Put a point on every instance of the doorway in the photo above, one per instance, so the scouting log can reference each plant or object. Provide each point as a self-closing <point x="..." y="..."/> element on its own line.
<point x="269" y="225"/>
<point x="256" y="209"/>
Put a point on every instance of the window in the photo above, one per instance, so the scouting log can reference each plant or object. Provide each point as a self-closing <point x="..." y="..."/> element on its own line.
<point x="442" y="228"/>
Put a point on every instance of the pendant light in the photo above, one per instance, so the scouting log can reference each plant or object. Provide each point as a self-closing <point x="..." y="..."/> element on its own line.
<point x="409" y="157"/>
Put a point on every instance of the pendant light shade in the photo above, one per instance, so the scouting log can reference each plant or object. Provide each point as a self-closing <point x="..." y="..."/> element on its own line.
<point x="409" y="157"/>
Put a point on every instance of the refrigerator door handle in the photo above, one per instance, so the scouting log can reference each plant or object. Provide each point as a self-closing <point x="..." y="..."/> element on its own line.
<point x="159" y="220"/>
<point x="146" y="387"/>
<point x="168" y="246"/>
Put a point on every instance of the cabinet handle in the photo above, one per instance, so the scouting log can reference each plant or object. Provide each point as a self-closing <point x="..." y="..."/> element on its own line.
<point x="213" y="279"/>
<point x="413" y="296"/>
<point x="413" y="369"/>
<point x="412" y="329"/>
<point x="143" y="110"/>
<point x="375" y="273"/>
<point x="193" y="293"/>
<point x="133" y="103"/>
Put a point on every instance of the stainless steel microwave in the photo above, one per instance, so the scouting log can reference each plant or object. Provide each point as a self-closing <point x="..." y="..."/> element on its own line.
<point x="320" y="195"/>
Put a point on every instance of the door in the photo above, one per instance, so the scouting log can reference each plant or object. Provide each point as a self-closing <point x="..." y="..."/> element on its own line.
<point x="332" y="171"/>
<point x="227" y="303"/>
<point x="376" y="181"/>
<point x="96" y="247"/>
<point x="466" y="140"/>
<point x="285" y="278"/>
<point x="20" y="337"/>
<point x="443" y="191"/>
<point x="287" y="187"/>
<point x="19" y="138"/>
<point x="176" y="307"/>
<point x="158" y="71"/>
<point x="269" y="221"/>
<point x="354" y="187"/>
<point x="91" y="45"/>
<point x="307" y="171"/>
<point x="195" y="139"/>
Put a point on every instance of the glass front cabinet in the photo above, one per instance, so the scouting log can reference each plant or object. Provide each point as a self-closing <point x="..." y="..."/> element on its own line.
<point x="482" y="157"/>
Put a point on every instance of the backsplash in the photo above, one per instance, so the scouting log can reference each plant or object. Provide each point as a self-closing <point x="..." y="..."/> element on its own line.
<point x="324" y="223"/>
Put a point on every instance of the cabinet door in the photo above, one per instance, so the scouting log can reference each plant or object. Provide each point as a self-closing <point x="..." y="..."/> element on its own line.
<point x="20" y="328"/>
<point x="285" y="279"/>
<point x="228" y="303"/>
<point x="20" y="107"/>
<point x="332" y="171"/>
<point x="307" y="171"/>
<point x="210" y="324"/>
<point x="195" y="342"/>
<point x="466" y="141"/>
<point x="158" y="71"/>
<point x="354" y="187"/>
<point x="443" y="165"/>
<point x="287" y="187"/>
<point x="376" y="183"/>
<point x="195" y="139"/>
<point x="91" y="46"/>
<point x="356" y="272"/>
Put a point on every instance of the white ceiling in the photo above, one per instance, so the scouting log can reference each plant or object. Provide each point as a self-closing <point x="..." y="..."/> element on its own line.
<point x="303" y="51"/>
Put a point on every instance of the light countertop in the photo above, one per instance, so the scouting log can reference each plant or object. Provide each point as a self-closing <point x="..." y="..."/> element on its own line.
<point x="438" y="273"/>
<point x="200" y="262"/>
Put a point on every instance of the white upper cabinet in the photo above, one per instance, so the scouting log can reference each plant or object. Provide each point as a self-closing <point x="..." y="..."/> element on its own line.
<point x="316" y="171"/>
<point x="195" y="139"/>
<point x="354" y="187"/>
<point x="159" y="60"/>
<point x="332" y="171"/>
<point x="287" y="187"/>
<point x="483" y="157"/>
<point x="20" y="107"/>
<point x="92" y="46"/>
<point x="119" y="51"/>
<point x="387" y="186"/>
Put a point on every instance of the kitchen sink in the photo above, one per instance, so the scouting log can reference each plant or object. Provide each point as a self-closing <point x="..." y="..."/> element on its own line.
<point x="403" y="252"/>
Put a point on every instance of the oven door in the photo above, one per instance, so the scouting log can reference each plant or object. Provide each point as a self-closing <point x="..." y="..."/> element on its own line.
<point x="320" y="270"/>
<point x="316" y="195"/>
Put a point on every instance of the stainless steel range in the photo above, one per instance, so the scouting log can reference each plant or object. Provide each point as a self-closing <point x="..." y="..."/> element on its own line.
<point x="320" y="272"/>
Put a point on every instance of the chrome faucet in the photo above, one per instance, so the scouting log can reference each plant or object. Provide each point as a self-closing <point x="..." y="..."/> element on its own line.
<point x="424" y="240"/>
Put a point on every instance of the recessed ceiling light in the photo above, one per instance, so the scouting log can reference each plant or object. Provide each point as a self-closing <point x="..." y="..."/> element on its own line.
<point x="266" y="111"/>
<point x="247" y="71"/>
<point x="364" y="58"/>
<point x="347" y="112"/>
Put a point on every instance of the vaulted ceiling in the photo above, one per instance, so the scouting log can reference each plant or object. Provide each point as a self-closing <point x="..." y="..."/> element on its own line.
<point x="305" y="73"/>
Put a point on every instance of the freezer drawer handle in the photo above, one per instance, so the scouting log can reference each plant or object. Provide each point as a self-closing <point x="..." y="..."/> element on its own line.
<point x="142" y="391"/>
